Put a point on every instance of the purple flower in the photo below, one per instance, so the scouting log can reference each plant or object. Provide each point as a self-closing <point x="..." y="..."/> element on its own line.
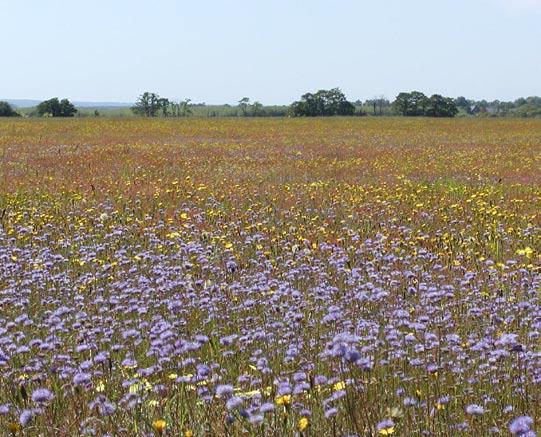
<point x="475" y="410"/>
<point x="267" y="407"/>
<point x="223" y="391"/>
<point x="385" y="424"/>
<point x="233" y="402"/>
<point x="409" y="402"/>
<point x="81" y="379"/>
<point x="25" y="417"/>
<point x="352" y="356"/>
<point x="256" y="419"/>
<point x="41" y="396"/>
<point x="520" y="425"/>
<point x="330" y="412"/>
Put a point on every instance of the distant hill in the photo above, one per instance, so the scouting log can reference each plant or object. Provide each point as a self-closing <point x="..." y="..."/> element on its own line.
<point x="28" y="103"/>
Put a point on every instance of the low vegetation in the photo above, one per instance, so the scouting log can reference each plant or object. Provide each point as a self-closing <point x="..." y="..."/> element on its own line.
<point x="303" y="276"/>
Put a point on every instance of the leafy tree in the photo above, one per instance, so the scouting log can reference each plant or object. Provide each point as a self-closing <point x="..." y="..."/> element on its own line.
<point x="411" y="104"/>
<point x="148" y="105"/>
<point x="163" y="104"/>
<point x="464" y="104"/>
<point x="322" y="103"/>
<point x="6" y="110"/>
<point x="55" y="108"/>
<point x="185" y="108"/>
<point x="461" y="102"/>
<point x="67" y="109"/>
<point x="182" y="108"/>
<point x="439" y="106"/>
<point x="243" y="105"/>
<point x="257" y="109"/>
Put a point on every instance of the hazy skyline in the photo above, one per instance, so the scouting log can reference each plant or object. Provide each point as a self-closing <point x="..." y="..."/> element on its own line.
<point x="220" y="51"/>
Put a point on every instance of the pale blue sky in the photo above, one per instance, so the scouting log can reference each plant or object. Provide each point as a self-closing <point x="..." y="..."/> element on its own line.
<point x="218" y="51"/>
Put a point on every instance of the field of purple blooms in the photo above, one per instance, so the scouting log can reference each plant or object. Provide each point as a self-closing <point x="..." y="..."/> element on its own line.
<point x="338" y="277"/>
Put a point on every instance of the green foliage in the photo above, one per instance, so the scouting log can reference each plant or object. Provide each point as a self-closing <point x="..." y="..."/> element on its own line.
<point x="150" y="105"/>
<point x="55" y="108"/>
<point x="416" y="104"/>
<point x="439" y="106"/>
<point x="322" y="103"/>
<point x="7" y="111"/>
<point x="180" y="109"/>
<point x="411" y="104"/>
<point x="243" y="105"/>
<point x="257" y="109"/>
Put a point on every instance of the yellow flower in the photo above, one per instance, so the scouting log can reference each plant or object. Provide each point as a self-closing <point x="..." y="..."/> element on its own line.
<point x="303" y="424"/>
<point x="283" y="400"/>
<point x="248" y="394"/>
<point x="339" y="386"/>
<point x="188" y="433"/>
<point x="387" y="431"/>
<point x="144" y="385"/>
<point x="527" y="251"/>
<point x="159" y="425"/>
<point x="100" y="387"/>
<point x="14" y="427"/>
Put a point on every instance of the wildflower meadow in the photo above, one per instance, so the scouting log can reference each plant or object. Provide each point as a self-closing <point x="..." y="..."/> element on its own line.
<point x="270" y="277"/>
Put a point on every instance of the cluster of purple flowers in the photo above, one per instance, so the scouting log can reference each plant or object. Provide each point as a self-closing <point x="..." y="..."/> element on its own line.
<point x="128" y="322"/>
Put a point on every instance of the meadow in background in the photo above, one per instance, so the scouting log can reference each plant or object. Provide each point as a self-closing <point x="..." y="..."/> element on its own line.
<point x="338" y="276"/>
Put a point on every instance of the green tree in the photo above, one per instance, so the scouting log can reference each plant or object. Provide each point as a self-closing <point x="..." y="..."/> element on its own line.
<point x="257" y="109"/>
<point x="164" y="104"/>
<point x="243" y="106"/>
<point x="439" y="106"/>
<point x="411" y="104"/>
<point x="185" y="109"/>
<point x="6" y="110"/>
<point x="56" y="108"/>
<point x="464" y="104"/>
<point x="148" y="105"/>
<point x="322" y="103"/>
<point x="67" y="109"/>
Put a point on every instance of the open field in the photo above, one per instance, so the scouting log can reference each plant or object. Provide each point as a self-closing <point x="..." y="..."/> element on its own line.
<point x="257" y="277"/>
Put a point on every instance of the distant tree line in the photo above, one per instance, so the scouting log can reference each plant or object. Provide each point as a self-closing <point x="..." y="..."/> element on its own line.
<point x="334" y="102"/>
<point x="321" y="103"/>
<point x="48" y="108"/>
<point x="521" y="107"/>
<point x="152" y="105"/>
